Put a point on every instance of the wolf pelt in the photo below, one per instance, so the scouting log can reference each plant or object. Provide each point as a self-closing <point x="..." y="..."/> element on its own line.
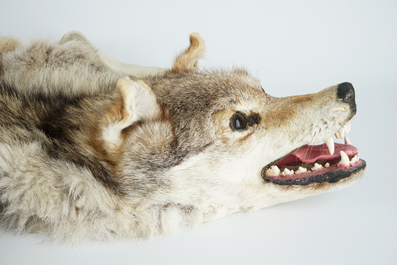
<point x="91" y="148"/>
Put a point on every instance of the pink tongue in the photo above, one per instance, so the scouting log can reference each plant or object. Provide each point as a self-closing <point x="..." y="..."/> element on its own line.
<point x="312" y="153"/>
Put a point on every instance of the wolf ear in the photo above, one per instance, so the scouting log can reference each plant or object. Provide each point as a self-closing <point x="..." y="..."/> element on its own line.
<point x="187" y="61"/>
<point x="137" y="102"/>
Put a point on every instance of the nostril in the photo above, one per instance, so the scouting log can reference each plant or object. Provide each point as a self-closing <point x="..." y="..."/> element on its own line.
<point x="346" y="92"/>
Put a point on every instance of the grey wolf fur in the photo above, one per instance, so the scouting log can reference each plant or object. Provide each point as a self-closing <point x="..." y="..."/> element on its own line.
<point x="91" y="148"/>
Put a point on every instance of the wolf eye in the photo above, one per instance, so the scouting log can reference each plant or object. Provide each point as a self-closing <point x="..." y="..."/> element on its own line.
<point x="238" y="121"/>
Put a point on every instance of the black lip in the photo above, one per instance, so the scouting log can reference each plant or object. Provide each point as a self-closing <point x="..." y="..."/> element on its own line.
<point x="328" y="177"/>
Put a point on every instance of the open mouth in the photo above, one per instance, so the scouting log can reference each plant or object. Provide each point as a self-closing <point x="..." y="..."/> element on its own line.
<point x="329" y="162"/>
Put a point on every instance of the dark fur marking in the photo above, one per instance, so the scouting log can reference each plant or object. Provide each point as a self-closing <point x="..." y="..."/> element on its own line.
<point x="62" y="150"/>
<point x="178" y="152"/>
<point x="254" y="119"/>
<point x="49" y="115"/>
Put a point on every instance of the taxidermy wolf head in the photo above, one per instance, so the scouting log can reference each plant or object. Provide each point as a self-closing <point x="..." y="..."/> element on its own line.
<point x="91" y="148"/>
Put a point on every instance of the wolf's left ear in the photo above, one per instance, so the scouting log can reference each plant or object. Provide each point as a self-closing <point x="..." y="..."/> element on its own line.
<point x="187" y="61"/>
<point x="137" y="102"/>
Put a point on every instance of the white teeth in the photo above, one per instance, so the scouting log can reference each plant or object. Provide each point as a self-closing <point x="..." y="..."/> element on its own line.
<point x="326" y="165"/>
<point x="345" y="129"/>
<point x="287" y="172"/>
<point x="273" y="171"/>
<point x="355" y="159"/>
<point x="344" y="159"/>
<point x="341" y="133"/>
<point x="317" y="167"/>
<point x="347" y="141"/>
<point x="330" y="144"/>
<point x="301" y="170"/>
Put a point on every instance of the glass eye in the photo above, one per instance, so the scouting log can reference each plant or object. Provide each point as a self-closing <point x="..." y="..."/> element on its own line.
<point x="238" y="121"/>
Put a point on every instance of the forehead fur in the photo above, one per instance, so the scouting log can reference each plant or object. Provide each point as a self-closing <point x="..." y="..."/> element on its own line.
<point x="193" y="98"/>
<point x="204" y="90"/>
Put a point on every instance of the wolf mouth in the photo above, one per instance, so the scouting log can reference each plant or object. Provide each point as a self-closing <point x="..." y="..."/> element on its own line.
<point x="329" y="162"/>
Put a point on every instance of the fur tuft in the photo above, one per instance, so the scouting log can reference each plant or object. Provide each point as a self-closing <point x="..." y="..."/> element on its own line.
<point x="187" y="61"/>
<point x="7" y="44"/>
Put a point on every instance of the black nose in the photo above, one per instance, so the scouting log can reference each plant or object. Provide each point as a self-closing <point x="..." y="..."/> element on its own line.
<point x="346" y="94"/>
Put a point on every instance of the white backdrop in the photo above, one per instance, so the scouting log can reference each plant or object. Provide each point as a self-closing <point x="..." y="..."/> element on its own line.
<point x="294" y="47"/>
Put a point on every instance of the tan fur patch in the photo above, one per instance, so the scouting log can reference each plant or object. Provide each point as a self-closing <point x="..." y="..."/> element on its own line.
<point x="221" y="119"/>
<point x="8" y="44"/>
<point x="109" y="153"/>
<point x="285" y="110"/>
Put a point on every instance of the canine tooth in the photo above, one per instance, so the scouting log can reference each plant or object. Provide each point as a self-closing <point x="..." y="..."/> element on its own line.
<point x="330" y="144"/>
<point x="287" y="172"/>
<point x="344" y="159"/>
<point x="326" y="165"/>
<point x="355" y="159"/>
<point x="301" y="170"/>
<point x="273" y="171"/>
<point x="347" y="141"/>
<point x="317" y="167"/>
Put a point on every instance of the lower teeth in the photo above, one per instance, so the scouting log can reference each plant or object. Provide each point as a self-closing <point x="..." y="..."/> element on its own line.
<point x="274" y="171"/>
<point x="301" y="170"/>
<point x="317" y="167"/>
